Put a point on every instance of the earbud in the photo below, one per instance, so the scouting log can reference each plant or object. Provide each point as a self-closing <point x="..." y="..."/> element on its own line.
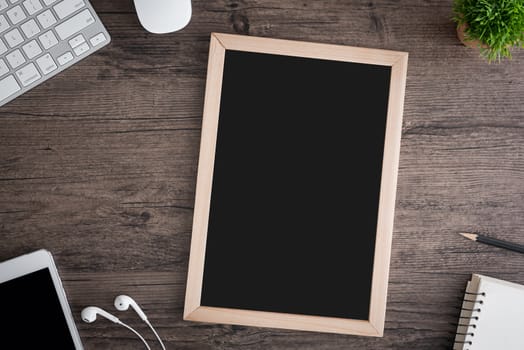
<point x="89" y="314"/>
<point x="122" y="303"/>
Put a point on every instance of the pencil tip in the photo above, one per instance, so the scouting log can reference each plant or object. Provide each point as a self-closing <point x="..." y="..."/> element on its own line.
<point x="471" y="236"/>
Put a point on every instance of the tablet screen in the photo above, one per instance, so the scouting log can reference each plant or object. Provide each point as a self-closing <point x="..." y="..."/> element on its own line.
<point x="32" y="316"/>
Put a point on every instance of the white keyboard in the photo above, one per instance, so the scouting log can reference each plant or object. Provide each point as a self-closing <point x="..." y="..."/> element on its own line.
<point x="41" y="38"/>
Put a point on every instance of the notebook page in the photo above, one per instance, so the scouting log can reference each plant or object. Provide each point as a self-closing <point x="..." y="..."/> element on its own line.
<point x="501" y="319"/>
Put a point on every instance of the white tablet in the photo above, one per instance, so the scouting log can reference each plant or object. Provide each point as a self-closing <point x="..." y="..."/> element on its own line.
<point x="33" y="305"/>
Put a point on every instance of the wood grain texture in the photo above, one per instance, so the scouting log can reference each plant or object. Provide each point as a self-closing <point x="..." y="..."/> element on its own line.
<point x="98" y="165"/>
<point x="204" y="181"/>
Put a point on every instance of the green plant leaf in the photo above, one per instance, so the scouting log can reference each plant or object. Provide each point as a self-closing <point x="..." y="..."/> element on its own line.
<point x="499" y="24"/>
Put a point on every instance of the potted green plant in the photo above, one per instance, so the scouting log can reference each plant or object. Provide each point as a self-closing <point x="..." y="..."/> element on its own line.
<point x="493" y="26"/>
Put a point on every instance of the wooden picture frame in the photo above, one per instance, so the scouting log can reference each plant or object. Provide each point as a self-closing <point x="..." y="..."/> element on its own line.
<point x="374" y="326"/>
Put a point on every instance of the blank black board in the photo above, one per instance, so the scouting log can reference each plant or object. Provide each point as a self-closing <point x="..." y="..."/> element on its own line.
<point x="296" y="184"/>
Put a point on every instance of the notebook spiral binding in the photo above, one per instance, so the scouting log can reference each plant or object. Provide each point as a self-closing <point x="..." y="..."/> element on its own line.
<point x="478" y="301"/>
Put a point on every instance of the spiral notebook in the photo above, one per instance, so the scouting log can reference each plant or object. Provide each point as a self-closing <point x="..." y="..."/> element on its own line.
<point x="492" y="315"/>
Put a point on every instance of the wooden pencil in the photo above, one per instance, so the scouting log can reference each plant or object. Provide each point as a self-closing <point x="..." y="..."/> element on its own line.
<point x="495" y="242"/>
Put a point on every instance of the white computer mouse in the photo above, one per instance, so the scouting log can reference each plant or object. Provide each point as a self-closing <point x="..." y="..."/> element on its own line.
<point x="163" y="16"/>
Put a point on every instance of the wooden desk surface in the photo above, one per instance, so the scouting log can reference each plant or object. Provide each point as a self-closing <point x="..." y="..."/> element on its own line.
<point x="98" y="165"/>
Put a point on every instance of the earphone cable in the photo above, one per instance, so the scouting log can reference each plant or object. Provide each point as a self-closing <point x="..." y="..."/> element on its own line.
<point x="156" y="334"/>
<point x="137" y="334"/>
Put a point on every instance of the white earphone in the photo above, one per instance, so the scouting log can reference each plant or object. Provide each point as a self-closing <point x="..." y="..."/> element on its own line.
<point x="89" y="316"/>
<point x="90" y="312"/>
<point x="122" y="303"/>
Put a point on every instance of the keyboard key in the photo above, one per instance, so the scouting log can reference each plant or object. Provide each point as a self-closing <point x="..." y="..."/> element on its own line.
<point x="30" y="28"/>
<point x="67" y="7"/>
<point x="48" y="40"/>
<point x="15" y="58"/>
<point x="14" y="37"/>
<point x="8" y="86"/>
<point x="3" y="67"/>
<point x="3" y="48"/>
<point x="32" y="49"/>
<point x="32" y="6"/>
<point x="81" y="49"/>
<point x="16" y="14"/>
<point x="4" y="25"/>
<point x="28" y="74"/>
<point x="68" y="56"/>
<point x="46" y="19"/>
<point x="39" y="38"/>
<point x="98" y="39"/>
<point x="77" y="40"/>
<point x="46" y="64"/>
<point x="74" y="24"/>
